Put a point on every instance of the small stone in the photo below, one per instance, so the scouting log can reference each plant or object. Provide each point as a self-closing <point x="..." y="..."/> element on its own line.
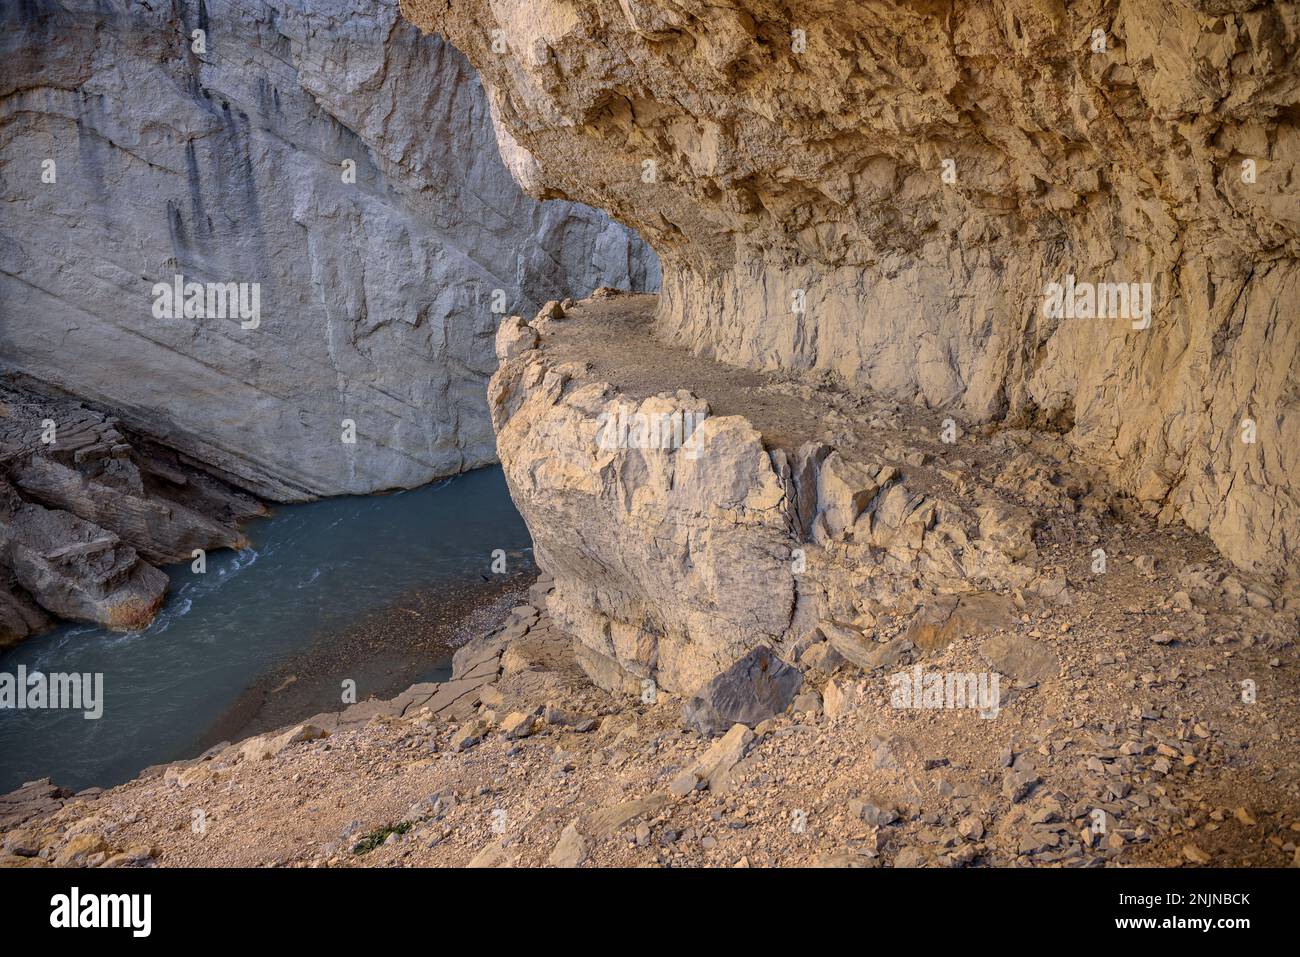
<point x="910" y="857"/>
<point x="552" y="310"/>
<point x="468" y="734"/>
<point x="1195" y="854"/>
<point x="517" y="725"/>
<point x="809" y="702"/>
<point x="821" y="657"/>
<point x="571" y="849"/>
<point x="1016" y="785"/>
<point x="872" y="814"/>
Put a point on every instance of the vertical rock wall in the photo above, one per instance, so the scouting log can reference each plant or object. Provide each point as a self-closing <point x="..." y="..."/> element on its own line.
<point x="225" y="166"/>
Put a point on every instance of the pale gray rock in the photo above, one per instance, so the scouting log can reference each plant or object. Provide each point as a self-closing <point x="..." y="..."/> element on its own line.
<point x="228" y="165"/>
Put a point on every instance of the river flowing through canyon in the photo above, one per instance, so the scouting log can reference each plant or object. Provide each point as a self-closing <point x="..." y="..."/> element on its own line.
<point x="288" y="609"/>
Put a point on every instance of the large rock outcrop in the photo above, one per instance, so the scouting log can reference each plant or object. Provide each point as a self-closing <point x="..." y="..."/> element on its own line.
<point x="683" y="531"/>
<point x="888" y="190"/>
<point x="226" y="164"/>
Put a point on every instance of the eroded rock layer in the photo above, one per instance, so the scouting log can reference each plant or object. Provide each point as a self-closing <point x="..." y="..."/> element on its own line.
<point x="85" y="508"/>
<point x="136" y="151"/>
<point x="831" y="525"/>
<point x="887" y="190"/>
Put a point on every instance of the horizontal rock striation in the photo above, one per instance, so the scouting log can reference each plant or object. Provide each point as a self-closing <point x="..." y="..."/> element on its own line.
<point x="132" y="157"/>
<point x="87" y="510"/>
<point x="887" y="192"/>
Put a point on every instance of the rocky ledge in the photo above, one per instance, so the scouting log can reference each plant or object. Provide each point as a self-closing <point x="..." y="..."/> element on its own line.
<point x="890" y="192"/>
<point x="796" y="512"/>
<point x="87" y="510"/>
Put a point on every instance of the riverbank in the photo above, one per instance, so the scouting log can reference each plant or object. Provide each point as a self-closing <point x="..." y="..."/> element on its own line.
<point x="377" y="591"/>
<point x="518" y="760"/>
<point x="386" y="651"/>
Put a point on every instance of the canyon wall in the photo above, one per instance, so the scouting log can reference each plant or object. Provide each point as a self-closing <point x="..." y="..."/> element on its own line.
<point x="885" y="192"/>
<point x="131" y="156"/>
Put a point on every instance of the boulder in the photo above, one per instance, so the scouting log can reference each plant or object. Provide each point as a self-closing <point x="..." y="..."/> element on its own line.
<point x="514" y="337"/>
<point x="843" y="491"/>
<point x="756" y="687"/>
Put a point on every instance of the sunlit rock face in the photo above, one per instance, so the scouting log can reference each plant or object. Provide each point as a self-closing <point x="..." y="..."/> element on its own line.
<point x="888" y="191"/>
<point x="326" y="151"/>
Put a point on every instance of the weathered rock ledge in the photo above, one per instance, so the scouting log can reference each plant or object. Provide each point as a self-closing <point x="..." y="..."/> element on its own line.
<point x="87" y="509"/>
<point x="887" y="192"/>
<point x="818" y="513"/>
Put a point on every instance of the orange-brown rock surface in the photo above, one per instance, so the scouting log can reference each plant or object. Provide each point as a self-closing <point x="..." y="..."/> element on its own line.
<point x="887" y="191"/>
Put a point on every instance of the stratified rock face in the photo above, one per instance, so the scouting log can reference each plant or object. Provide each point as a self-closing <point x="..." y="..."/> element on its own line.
<point x="83" y="511"/>
<point x="76" y="569"/>
<point x="235" y="165"/>
<point x="887" y="191"/>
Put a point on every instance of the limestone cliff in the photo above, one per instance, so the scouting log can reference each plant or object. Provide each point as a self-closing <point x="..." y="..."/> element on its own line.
<point x="133" y="152"/>
<point x="887" y="191"/>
